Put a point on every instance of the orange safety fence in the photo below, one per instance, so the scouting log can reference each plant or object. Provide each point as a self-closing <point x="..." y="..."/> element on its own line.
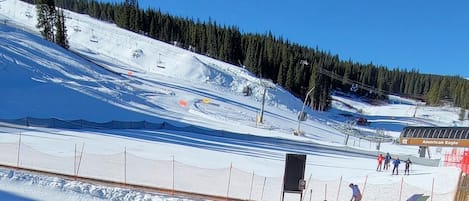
<point x="128" y="168"/>
<point x="457" y="158"/>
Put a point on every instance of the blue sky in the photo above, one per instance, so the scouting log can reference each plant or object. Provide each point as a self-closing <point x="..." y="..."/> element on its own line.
<point x="427" y="35"/>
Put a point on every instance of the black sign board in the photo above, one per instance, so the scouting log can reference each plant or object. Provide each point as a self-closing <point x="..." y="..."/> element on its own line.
<point x="294" y="172"/>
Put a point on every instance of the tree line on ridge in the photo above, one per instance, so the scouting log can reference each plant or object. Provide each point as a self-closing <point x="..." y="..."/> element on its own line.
<point x="295" y="67"/>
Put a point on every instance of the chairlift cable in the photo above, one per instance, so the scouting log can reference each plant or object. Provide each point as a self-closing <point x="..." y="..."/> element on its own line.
<point x="362" y="85"/>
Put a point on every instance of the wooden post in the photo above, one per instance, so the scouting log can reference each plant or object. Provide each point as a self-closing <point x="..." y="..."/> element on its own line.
<point x="81" y="156"/>
<point x="229" y="181"/>
<point x="433" y="185"/>
<point x="364" y="186"/>
<point x="400" y="193"/>
<point x="125" y="165"/>
<point x="263" y="186"/>
<point x="172" y="191"/>
<point x="75" y="163"/>
<point x="18" y="155"/>
<point x="458" y="190"/>
<point x="252" y="182"/>
<point x="306" y="187"/>
<point x="338" y="190"/>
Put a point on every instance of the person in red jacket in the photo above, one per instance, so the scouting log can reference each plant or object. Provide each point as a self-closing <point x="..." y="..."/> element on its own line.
<point x="380" y="162"/>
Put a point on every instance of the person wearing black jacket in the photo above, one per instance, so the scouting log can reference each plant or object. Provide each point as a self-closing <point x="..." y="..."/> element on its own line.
<point x="407" y="166"/>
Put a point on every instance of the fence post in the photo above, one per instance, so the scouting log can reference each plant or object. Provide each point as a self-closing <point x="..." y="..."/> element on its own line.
<point x="125" y="165"/>
<point x="458" y="190"/>
<point x="325" y="191"/>
<point x="364" y="186"/>
<point x="338" y="191"/>
<point x="433" y="185"/>
<point x="400" y="193"/>
<point x="172" y="192"/>
<point x="81" y="156"/>
<point x="252" y="182"/>
<point x="263" y="186"/>
<point x="75" y="163"/>
<point x="18" y="155"/>
<point x="307" y="186"/>
<point x="229" y="181"/>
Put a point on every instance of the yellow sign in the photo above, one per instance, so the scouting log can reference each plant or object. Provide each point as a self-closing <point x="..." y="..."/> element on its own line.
<point x="206" y="100"/>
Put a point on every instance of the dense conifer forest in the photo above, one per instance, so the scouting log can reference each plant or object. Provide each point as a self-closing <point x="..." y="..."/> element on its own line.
<point x="296" y="67"/>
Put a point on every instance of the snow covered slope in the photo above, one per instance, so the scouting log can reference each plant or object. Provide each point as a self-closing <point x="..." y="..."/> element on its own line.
<point x="121" y="75"/>
<point x="144" y="79"/>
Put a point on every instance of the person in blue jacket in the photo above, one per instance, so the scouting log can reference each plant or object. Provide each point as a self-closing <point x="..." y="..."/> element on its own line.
<point x="356" y="194"/>
<point x="387" y="160"/>
<point x="396" y="163"/>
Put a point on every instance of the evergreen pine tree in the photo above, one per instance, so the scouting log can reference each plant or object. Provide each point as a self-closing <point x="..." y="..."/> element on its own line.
<point x="46" y="18"/>
<point x="433" y="96"/>
<point x="61" y="33"/>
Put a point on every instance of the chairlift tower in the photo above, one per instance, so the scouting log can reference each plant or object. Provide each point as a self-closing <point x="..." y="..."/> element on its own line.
<point x="300" y="115"/>
<point x="266" y="84"/>
<point x="415" y="111"/>
<point x="261" y="116"/>
<point x="380" y="135"/>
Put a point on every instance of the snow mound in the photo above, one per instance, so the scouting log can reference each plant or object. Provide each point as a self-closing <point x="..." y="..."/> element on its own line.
<point x="76" y="189"/>
<point x="188" y="67"/>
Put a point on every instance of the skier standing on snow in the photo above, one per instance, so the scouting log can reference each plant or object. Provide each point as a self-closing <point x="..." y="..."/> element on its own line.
<point x="380" y="162"/>
<point x="356" y="195"/>
<point x="396" y="163"/>
<point x="407" y="166"/>
<point x="387" y="160"/>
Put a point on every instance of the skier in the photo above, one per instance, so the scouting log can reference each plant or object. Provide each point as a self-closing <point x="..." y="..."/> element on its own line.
<point x="407" y="166"/>
<point x="387" y="160"/>
<point x="380" y="162"/>
<point x="396" y="163"/>
<point x="356" y="195"/>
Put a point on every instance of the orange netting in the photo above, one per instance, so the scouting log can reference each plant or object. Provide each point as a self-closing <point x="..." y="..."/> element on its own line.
<point x="458" y="158"/>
